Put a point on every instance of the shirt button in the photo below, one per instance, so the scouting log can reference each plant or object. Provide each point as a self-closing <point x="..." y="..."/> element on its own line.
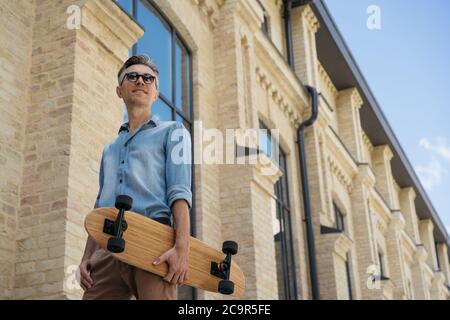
<point x="123" y="161"/>
<point x="120" y="181"/>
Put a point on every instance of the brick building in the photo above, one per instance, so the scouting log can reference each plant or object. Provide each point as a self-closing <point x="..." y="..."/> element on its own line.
<point x="227" y="64"/>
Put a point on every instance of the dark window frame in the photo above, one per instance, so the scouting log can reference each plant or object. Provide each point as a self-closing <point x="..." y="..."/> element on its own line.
<point x="285" y="235"/>
<point x="349" y="279"/>
<point x="265" y="26"/>
<point x="339" y="218"/>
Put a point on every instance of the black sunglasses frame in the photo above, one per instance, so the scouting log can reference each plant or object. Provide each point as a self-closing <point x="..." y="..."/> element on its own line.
<point x="151" y="78"/>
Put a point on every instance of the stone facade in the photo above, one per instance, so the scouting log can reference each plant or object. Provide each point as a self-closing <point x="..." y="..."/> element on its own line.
<point x="58" y="107"/>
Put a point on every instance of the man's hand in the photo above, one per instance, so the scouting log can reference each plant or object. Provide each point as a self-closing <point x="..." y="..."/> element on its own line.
<point x="85" y="274"/>
<point x="84" y="269"/>
<point x="178" y="260"/>
<point x="178" y="256"/>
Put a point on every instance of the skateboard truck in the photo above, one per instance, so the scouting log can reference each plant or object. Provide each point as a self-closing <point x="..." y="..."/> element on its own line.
<point x="116" y="228"/>
<point x="222" y="269"/>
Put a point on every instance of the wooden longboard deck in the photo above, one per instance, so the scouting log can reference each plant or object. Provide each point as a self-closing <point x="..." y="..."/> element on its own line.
<point x="146" y="239"/>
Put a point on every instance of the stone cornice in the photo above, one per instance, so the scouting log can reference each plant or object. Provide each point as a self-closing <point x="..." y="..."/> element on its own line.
<point x="311" y="19"/>
<point x="264" y="172"/>
<point x="340" y="174"/>
<point x="280" y="73"/>
<point x="380" y="211"/>
<point x="356" y="98"/>
<point x="385" y="150"/>
<point x="353" y="95"/>
<point x="408" y="246"/>
<point x="275" y="93"/>
<point x="327" y="81"/>
<point x="366" y="142"/>
<point x="114" y="20"/>
<point x="210" y="9"/>
<point x="251" y="13"/>
<point x="409" y="191"/>
<point x="379" y="222"/>
<point x="366" y="175"/>
<point x="340" y="162"/>
<point x="342" y="245"/>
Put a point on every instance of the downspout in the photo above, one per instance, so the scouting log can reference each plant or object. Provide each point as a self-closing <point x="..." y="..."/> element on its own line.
<point x="301" y="147"/>
<point x="288" y="28"/>
<point x="305" y="189"/>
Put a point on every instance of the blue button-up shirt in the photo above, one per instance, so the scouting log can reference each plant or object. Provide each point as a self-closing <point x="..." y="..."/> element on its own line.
<point x="153" y="166"/>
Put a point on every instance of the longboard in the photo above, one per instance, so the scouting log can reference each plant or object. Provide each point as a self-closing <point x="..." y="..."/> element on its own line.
<point x="146" y="239"/>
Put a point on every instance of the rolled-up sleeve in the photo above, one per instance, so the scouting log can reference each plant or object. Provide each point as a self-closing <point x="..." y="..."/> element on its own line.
<point x="178" y="165"/>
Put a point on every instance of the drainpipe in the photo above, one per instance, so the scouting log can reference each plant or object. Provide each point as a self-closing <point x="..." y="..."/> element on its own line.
<point x="301" y="147"/>
<point x="305" y="188"/>
<point x="288" y="28"/>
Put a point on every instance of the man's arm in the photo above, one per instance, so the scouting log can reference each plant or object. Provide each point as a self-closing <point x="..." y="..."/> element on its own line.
<point x="180" y="211"/>
<point x="178" y="256"/>
<point x="179" y="200"/>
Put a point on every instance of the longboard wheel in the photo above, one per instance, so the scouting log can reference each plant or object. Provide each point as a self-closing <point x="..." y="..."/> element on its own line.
<point x="226" y="287"/>
<point x="116" y="245"/>
<point x="124" y="202"/>
<point x="230" y="247"/>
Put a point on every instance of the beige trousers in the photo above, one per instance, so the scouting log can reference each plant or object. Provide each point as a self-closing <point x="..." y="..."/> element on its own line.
<point x="114" y="279"/>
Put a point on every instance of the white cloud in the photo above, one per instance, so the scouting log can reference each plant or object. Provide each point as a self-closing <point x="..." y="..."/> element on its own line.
<point x="440" y="147"/>
<point x="424" y="143"/>
<point x="432" y="174"/>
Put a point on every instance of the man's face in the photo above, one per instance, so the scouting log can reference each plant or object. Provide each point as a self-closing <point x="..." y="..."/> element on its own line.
<point x="138" y="93"/>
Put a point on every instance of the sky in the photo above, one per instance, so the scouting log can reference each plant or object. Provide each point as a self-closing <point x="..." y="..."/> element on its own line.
<point x="402" y="48"/>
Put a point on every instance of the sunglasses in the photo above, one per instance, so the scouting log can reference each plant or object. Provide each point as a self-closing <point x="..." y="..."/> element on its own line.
<point x="134" y="76"/>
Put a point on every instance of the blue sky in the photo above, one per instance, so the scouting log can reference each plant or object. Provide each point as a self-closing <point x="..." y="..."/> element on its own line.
<point x="407" y="66"/>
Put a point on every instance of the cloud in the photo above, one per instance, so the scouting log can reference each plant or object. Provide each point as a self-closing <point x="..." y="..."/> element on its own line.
<point x="440" y="147"/>
<point x="432" y="174"/>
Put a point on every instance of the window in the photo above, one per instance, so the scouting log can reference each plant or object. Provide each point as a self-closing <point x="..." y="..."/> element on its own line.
<point x="265" y="140"/>
<point x="284" y="248"/>
<point x="339" y="218"/>
<point x="173" y="59"/>
<point x="268" y="144"/>
<point x="349" y="277"/>
<point x="171" y="56"/>
<point x="265" y="26"/>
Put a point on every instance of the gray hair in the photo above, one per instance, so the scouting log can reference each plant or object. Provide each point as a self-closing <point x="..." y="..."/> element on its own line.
<point x="138" y="59"/>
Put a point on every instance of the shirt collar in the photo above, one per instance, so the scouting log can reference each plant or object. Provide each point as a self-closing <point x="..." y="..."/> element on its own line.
<point x="153" y="122"/>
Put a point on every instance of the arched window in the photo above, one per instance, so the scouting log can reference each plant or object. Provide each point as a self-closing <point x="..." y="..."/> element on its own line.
<point x="164" y="46"/>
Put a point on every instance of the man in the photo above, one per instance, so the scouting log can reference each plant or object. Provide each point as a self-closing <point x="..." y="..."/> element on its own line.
<point x="150" y="162"/>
